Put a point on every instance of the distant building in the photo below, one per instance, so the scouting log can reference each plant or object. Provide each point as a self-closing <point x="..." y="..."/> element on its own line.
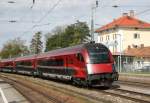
<point x="123" y="35"/>
<point x="126" y="31"/>
<point x="137" y="58"/>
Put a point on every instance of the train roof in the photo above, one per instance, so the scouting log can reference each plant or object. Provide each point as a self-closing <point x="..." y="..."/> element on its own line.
<point x="23" y="58"/>
<point x="69" y="50"/>
<point x="7" y="60"/>
<point x="57" y="52"/>
<point x="29" y="57"/>
<point x="62" y="51"/>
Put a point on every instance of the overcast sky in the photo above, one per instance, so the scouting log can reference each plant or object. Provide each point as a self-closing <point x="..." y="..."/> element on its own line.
<point x="66" y="12"/>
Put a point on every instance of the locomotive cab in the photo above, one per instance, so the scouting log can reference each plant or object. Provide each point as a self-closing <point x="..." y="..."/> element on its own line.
<point x="100" y="65"/>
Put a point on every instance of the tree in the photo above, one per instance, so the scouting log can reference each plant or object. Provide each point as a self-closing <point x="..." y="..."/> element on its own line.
<point x="36" y="45"/>
<point x="54" y="39"/>
<point x="81" y="32"/>
<point x="73" y="34"/>
<point x="14" y="48"/>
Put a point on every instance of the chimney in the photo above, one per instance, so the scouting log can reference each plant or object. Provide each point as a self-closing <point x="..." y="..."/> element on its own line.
<point x="125" y="14"/>
<point x="131" y="13"/>
<point x="129" y="47"/>
<point x="142" y="45"/>
<point x="114" y="19"/>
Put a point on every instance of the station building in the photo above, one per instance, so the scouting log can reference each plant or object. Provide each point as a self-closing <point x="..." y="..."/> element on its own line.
<point x="139" y="59"/>
<point x="123" y="33"/>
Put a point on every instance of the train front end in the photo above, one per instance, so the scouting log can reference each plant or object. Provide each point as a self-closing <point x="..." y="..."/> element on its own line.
<point x="100" y="65"/>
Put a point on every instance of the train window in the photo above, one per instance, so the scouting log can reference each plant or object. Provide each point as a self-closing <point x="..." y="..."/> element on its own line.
<point x="80" y="57"/>
<point x="42" y="62"/>
<point x="57" y="62"/>
<point x="7" y="64"/>
<point x="99" y="55"/>
<point x="28" y="63"/>
<point x="70" y="61"/>
<point x="25" y="63"/>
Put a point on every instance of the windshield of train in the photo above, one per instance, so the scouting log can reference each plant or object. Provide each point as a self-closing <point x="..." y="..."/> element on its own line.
<point x="99" y="55"/>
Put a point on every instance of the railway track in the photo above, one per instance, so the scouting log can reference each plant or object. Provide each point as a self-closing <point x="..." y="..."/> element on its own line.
<point x="90" y="98"/>
<point x="143" y="85"/>
<point x="33" y="94"/>
<point x="126" y="94"/>
<point x="130" y="95"/>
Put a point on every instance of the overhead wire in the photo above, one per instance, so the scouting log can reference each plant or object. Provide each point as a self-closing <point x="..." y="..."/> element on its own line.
<point x="104" y="6"/>
<point x="54" y="6"/>
<point x="49" y="11"/>
<point x="142" y="12"/>
<point x="32" y="4"/>
<point x="29" y="8"/>
<point x="86" y="15"/>
<point x="43" y="17"/>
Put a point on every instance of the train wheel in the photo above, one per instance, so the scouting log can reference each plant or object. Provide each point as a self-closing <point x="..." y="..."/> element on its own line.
<point x="76" y="81"/>
<point x="34" y="74"/>
<point x="107" y="84"/>
<point x="40" y="74"/>
<point x="79" y="82"/>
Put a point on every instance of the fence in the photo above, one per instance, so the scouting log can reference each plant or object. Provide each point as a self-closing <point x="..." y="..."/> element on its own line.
<point x="132" y="64"/>
<point x="134" y="67"/>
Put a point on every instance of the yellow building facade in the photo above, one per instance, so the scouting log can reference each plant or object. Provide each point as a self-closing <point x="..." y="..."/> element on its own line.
<point x="119" y="39"/>
<point x="124" y="32"/>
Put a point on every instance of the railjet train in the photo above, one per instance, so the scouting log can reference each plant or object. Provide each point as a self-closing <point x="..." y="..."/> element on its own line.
<point x="86" y="64"/>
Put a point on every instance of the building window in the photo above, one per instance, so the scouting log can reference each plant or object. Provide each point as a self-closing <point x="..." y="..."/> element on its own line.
<point x="114" y="36"/>
<point x="101" y="39"/>
<point x="136" y="35"/>
<point x="107" y="37"/>
<point x="135" y="46"/>
<point x="113" y="49"/>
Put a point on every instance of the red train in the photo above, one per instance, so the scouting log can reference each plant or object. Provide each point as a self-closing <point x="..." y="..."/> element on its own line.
<point x="85" y="64"/>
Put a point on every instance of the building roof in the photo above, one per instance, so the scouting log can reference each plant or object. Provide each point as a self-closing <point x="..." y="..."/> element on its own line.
<point x="138" y="52"/>
<point x="125" y="21"/>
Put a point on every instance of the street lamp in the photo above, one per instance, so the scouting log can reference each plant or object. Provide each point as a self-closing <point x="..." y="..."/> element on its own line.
<point x="120" y="55"/>
<point x="92" y="19"/>
<point x="12" y="21"/>
<point x="11" y="2"/>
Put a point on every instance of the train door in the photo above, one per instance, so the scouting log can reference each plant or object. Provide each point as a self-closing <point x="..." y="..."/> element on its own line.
<point x="69" y="65"/>
<point x="80" y="63"/>
<point x="80" y="60"/>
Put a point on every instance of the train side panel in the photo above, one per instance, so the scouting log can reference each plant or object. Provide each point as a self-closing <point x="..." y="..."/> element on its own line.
<point x="85" y="64"/>
<point x="7" y="66"/>
<point x="25" y="66"/>
<point x="76" y="62"/>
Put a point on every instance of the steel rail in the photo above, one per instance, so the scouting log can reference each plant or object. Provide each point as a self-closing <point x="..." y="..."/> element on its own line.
<point x="14" y="82"/>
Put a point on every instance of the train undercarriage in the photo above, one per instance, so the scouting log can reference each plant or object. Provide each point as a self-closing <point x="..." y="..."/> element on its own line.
<point x="105" y="80"/>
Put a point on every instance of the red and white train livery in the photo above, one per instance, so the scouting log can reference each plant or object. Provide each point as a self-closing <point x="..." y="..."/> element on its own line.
<point x="85" y="64"/>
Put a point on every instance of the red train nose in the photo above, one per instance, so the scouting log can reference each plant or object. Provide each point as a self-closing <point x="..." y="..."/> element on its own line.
<point x="99" y="68"/>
